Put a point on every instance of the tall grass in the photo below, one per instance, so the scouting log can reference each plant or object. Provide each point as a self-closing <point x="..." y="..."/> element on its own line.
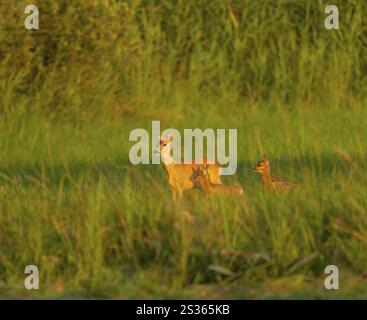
<point x="97" y="226"/>
<point x="71" y="204"/>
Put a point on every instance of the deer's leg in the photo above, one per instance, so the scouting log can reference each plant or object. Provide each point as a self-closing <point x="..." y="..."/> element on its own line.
<point x="174" y="193"/>
<point x="180" y="193"/>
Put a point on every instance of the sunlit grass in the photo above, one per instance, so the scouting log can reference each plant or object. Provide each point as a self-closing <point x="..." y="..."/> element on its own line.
<point x="73" y="205"/>
<point x="97" y="226"/>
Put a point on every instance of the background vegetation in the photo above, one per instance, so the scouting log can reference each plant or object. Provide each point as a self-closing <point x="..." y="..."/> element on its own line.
<point x="97" y="226"/>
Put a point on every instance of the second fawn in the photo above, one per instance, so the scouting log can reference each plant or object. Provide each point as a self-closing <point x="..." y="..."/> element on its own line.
<point x="270" y="182"/>
<point x="178" y="174"/>
<point x="201" y="179"/>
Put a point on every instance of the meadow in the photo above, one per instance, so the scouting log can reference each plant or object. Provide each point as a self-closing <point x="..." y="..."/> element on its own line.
<point x="99" y="227"/>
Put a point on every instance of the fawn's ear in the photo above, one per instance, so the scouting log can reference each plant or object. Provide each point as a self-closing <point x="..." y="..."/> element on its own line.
<point x="265" y="157"/>
<point x="170" y="137"/>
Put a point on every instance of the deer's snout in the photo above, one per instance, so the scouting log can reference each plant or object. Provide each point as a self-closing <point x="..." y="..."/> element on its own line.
<point x="157" y="149"/>
<point x="257" y="169"/>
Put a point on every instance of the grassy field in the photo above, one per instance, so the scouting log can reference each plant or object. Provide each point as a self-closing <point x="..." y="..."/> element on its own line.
<point x="99" y="227"/>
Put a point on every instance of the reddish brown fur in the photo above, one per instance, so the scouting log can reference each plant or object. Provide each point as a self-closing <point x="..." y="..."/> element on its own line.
<point x="270" y="182"/>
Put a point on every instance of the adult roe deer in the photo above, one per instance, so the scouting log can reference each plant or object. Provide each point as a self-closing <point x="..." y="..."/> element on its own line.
<point x="178" y="174"/>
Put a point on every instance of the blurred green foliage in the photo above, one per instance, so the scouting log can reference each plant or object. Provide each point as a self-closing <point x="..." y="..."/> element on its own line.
<point x="111" y="55"/>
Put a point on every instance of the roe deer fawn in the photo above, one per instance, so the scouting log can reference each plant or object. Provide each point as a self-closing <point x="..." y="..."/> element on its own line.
<point x="178" y="174"/>
<point x="270" y="182"/>
<point x="200" y="178"/>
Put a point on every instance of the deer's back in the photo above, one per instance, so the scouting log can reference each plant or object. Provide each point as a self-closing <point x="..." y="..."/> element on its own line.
<point x="226" y="189"/>
<point x="282" y="184"/>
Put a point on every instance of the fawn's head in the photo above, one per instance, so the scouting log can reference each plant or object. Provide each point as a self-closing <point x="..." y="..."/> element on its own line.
<point x="199" y="174"/>
<point x="164" y="145"/>
<point x="262" y="165"/>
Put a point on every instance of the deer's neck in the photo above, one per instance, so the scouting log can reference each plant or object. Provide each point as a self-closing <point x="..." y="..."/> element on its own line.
<point x="266" y="176"/>
<point x="206" y="185"/>
<point x="167" y="158"/>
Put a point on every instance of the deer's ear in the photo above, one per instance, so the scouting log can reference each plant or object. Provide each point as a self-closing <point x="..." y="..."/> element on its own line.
<point x="265" y="157"/>
<point x="170" y="137"/>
